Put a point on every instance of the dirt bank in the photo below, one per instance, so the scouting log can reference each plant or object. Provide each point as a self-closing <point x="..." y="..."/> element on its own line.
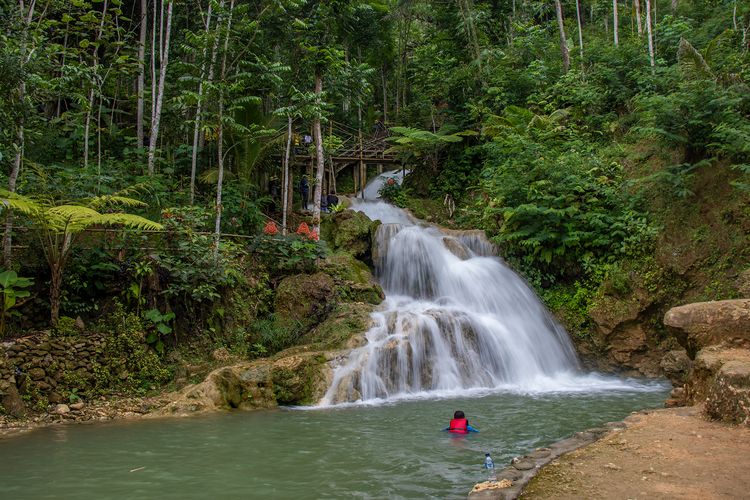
<point x="671" y="453"/>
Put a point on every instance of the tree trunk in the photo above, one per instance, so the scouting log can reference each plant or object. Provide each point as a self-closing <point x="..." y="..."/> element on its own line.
<point x="580" y="31"/>
<point x="87" y="126"/>
<point x="563" y="41"/>
<point x="285" y="176"/>
<point x="20" y="136"/>
<point x="674" y="6"/>
<point x="638" y="25"/>
<point x="141" y="72"/>
<point x="54" y="293"/>
<point x="198" y="108"/>
<point x="160" y="93"/>
<point x="649" y="34"/>
<point x="57" y="265"/>
<point x="615" y="23"/>
<point x="319" y="154"/>
<point x="220" y="138"/>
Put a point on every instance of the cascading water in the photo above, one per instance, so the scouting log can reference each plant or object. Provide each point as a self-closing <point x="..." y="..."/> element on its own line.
<point x="455" y="319"/>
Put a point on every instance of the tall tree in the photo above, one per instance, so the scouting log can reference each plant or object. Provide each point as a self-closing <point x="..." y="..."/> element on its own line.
<point x="220" y="133"/>
<point x="580" y="30"/>
<point x="615" y="23"/>
<point x="650" y="35"/>
<point x="163" y="63"/>
<point x="639" y="26"/>
<point x="563" y="39"/>
<point x="141" y="73"/>
<point x="199" y="104"/>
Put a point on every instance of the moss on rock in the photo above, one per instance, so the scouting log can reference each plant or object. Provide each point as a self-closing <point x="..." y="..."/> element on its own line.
<point x="304" y="300"/>
<point x="345" y="322"/>
<point x="353" y="279"/>
<point x="351" y="231"/>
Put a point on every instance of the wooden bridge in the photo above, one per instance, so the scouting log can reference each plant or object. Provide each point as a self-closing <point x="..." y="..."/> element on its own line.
<point x="356" y="152"/>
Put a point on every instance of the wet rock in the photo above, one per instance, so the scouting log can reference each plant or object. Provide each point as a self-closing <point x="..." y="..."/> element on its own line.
<point x="524" y="464"/>
<point x="351" y="231"/>
<point x="13" y="403"/>
<point x="456" y="248"/>
<point x="676" y="365"/>
<point x="61" y="409"/>
<point x="704" y="324"/>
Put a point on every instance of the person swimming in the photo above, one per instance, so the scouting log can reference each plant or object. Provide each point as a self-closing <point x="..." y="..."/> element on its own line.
<point x="459" y="424"/>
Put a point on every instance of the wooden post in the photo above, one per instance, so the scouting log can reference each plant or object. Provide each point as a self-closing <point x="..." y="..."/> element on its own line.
<point x="380" y="168"/>
<point x="362" y="172"/>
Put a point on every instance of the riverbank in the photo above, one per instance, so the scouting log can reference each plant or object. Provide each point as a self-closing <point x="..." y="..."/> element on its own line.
<point x="98" y="410"/>
<point x="669" y="453"/>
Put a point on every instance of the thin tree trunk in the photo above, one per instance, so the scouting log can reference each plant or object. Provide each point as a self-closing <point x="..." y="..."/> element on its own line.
<point x="57" y="265"/>
<point x="615" y="23"/>
<point x="563" y="42"/>
<point x="141" y="72"/>
<point x="220" y="138"/>
<point x="87" y="126"/>
<point x="649" y="34"/>
<point x="20" y="136"/>
<point x="638" y="25"/>
<point x="198" y="108"/>
<point x="153" y="67"/>
<point x="285" y="176"/>
<point x="319" y="155"/>
<point x="580" y="30"/>
<point x="160" y="93"/>
<point x="385" y="96"/>
<point x="674" y="6"/>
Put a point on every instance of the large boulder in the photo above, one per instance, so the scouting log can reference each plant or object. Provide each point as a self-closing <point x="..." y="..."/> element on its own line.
<point x="293" y="377"/>
<point x="350" y="231"/>
<point x="353" y="279"/>
<point x="721" y="377"/>
<point x="303" y="300"/>
<point x="705" y="324"/>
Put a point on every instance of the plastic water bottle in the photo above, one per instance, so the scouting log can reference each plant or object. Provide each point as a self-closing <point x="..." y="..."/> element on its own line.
<point x="489" y="464"/>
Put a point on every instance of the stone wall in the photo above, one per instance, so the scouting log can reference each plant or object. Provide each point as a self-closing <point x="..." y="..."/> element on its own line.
<point x="42" y="369"/>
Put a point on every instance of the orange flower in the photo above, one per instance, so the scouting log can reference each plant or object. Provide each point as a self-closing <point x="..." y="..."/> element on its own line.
<point x="303" y="229"/>
<point x="314" y="235"/>
<point x="270" y="228"/>
<point x="391" y="181"/>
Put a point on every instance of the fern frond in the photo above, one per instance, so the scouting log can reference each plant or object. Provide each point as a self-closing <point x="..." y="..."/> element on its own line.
<point x="692" y="63"/>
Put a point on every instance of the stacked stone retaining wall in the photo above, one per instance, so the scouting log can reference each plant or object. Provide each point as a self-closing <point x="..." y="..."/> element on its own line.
<point x="43" y="369"/>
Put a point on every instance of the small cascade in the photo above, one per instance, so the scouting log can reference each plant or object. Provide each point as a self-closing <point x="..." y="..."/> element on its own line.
<point x="455" y="319"/>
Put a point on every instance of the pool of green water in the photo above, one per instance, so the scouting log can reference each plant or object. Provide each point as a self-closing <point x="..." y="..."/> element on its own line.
<point x="386" y="451"/>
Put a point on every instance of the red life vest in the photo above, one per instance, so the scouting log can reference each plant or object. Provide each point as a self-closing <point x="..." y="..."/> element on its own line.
<point x="459" y="426"/>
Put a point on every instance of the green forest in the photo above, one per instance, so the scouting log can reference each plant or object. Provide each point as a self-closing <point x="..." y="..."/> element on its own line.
<point x="150" y="186"/>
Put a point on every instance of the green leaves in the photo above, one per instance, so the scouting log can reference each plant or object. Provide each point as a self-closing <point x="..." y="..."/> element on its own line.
<point x="11" y="286"/>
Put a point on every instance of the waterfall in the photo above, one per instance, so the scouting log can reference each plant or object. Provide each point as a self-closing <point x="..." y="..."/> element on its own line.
<point x="455" y="318"/>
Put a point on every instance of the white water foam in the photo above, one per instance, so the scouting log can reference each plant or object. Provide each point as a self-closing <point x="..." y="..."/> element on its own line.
<point x="455" y="323"/>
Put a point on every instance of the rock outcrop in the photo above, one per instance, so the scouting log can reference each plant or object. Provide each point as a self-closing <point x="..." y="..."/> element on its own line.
<point x="705" y="324"/>
<point x="716" y="337"/>
<point x="294" y="377"/>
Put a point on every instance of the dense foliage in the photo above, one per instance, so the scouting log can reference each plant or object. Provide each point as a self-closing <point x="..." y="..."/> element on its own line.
<point x="557" y="149"/>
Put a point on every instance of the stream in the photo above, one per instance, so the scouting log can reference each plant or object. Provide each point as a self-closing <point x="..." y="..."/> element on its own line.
<point x="458" y="330"/>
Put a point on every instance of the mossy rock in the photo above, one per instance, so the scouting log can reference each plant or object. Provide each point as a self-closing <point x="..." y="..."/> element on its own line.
<point x="344" y="322"/>
<point x="353" y="279"/>
<point x="304" y="300"/>
<point x="300" y="379"/>
<point x="351" y="231"/>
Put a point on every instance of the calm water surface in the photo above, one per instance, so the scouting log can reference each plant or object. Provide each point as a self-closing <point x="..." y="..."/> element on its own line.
<point x="386" y="451"/>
